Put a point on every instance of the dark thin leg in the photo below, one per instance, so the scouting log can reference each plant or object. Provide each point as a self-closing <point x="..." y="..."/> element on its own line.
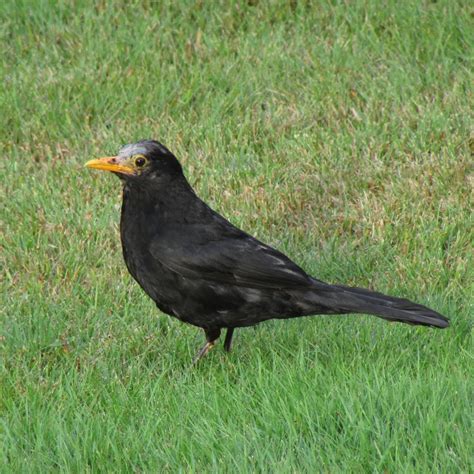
<point x="211" y="336"/>
<point x="228" y="339"/>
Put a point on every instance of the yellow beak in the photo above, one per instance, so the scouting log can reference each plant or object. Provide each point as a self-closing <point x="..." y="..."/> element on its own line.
<point x="110" y="163"/>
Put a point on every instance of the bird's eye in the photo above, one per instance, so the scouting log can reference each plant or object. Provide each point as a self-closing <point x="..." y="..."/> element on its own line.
<point x="140" y="161"/>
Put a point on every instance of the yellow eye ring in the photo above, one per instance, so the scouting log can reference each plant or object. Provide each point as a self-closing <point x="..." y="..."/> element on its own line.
<point x="139" y="161"/>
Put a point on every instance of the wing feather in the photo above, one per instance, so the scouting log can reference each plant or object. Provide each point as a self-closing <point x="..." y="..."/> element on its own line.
<point x="236" y="259"/>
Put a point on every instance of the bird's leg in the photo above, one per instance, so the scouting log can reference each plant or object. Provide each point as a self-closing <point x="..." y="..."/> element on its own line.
<point x="228" y="339"/>
<point x="211" y="336"/>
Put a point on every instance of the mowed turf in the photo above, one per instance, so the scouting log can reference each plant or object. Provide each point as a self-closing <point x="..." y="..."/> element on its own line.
<point x="337" y="132"/>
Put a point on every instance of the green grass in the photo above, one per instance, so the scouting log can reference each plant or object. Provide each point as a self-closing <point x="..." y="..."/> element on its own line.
<point x="339" y="133"/>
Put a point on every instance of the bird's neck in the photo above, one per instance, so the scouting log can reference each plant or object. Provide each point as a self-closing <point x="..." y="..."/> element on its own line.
<point x="164" y="203"/>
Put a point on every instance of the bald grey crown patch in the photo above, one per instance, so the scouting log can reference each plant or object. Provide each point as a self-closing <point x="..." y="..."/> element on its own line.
<point x="143" y="147"/>
<point x="132" y="149"/>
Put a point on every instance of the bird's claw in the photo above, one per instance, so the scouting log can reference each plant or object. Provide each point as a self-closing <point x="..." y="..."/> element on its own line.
<point x="203" y="351"/>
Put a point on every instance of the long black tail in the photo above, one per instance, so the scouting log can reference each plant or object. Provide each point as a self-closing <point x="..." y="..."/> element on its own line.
<point x="345" y="299"/>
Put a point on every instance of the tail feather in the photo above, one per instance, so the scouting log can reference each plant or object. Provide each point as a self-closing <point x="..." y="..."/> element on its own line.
<point x="359" y="300"/>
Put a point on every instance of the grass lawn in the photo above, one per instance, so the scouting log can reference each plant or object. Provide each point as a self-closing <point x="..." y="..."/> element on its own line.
<point x="338" y="132"/>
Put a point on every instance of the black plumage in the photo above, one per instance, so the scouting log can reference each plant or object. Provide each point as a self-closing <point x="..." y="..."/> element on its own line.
<point x="199" y="268"/>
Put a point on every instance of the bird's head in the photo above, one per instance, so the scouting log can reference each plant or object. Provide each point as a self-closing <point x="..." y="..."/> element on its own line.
<point x="144" y="160"/>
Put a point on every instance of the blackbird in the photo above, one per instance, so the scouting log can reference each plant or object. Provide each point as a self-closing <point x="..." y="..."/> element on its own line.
<point x="199" y="268"/>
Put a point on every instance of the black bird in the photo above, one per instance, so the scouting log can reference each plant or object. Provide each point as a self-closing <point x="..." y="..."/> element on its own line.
<point x="199" y="268"/>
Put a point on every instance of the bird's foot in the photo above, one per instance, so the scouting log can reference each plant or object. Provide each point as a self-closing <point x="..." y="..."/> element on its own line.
<point x="212" y="334"/>
<point x="203" y="351"/>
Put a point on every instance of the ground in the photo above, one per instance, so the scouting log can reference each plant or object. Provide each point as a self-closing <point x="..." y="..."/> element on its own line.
<point x="337" y="132"/>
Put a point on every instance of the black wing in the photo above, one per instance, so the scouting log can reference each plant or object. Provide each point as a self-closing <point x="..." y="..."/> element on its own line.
<point x="226" y="256"/>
